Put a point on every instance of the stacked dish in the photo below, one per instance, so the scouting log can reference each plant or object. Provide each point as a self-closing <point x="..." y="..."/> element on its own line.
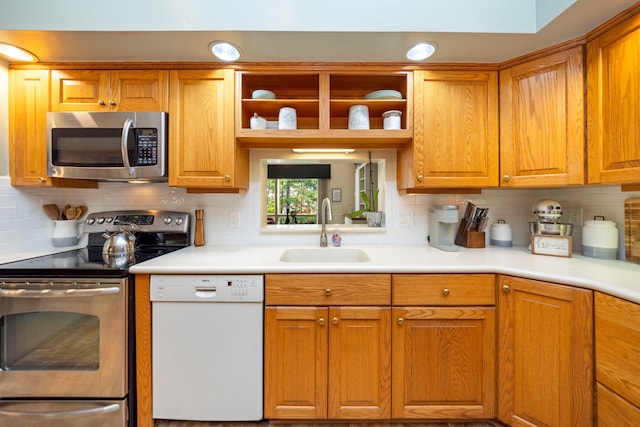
<point x="263" y="94"/>
<point x="384" y="94"/>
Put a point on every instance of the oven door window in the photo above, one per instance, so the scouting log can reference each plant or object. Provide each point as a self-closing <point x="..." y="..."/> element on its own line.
<point x="49" y="340"/>
<point x="89" y="147"/>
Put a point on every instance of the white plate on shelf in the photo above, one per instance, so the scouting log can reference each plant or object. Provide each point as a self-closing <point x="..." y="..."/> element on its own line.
<point x="384" y="94"/>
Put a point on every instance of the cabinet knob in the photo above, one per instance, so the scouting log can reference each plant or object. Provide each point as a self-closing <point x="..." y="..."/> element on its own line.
<point x="42" y="180"/>
<point x="506" y="178"/>
<point x="506" y="288"/>
<point x="445" y="292"/>
<point x="420" y="178"/>
<point x="327" y="292"/>
<point x="400" y="320"/>
<point x="334" y="320"/>
<point x="227" y="178"/>
<point x="101" y="102"/>
<point x="112" y="102"/>
<point x="321" y="321"/>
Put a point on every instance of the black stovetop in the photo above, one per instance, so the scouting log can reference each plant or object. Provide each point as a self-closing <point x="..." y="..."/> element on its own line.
<point x="86" y="262"/>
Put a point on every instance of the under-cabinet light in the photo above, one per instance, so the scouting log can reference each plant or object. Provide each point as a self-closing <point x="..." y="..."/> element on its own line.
<point x="224" y="51"/>
<point x="16" y="53"/>
<point x="421" y="51"/>
<point x="324" y="150"/>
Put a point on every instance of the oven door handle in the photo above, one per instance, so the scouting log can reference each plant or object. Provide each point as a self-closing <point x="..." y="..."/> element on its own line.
<point x="55" y="293"/>
<point x="106" y="409"/>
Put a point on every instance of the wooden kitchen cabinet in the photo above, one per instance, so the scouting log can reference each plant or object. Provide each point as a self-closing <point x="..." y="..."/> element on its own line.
<point x="322" y="100"/>
<point x="455" y="138"/>
<point x="542" y="121"/>
<point x="329" y="361"/>
<point x="28" y="106"/>
<point x="109" y="90"/>
<point x="545" y="357"/>
<point x="617" y="331"/>
<point x="613" y="105"/>
<point x="444" y="344"/>
<point x="203" y="154"/>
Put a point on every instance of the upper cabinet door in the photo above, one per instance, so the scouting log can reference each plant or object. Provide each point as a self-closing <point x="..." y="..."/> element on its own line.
<point x="542" y="122"/>
<point x="455" y="131"/>
<point x="100" y="90"/>
<point x="613" y="105"/>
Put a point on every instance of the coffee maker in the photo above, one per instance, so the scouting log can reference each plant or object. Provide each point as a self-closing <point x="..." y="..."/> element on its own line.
<point x="443" y="224"/>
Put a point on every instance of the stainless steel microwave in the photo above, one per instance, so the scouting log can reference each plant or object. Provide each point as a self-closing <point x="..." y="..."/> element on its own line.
<point x="107" y="146"/>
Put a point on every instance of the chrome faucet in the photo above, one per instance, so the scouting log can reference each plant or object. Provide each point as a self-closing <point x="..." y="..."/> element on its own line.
<point x="325" y="213"/>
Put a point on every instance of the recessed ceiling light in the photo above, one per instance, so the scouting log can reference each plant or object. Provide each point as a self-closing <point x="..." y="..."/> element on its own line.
<point x="225" y="51"/>
<point x="16" y="53"/>
<point x="323" y="150"/>
<point x="421" y="51"/>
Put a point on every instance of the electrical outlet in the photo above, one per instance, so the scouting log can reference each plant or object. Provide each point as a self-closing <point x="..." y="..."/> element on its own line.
<point x="234" y="219"/>
<point x="405" y="219"/>
<point x="572" y="215"/>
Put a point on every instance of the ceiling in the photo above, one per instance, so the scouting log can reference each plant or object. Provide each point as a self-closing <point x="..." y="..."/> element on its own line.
<point x="356" y="35"/>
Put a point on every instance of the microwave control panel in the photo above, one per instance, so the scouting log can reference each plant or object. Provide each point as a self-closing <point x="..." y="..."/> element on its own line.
<point x="146" y="146"/>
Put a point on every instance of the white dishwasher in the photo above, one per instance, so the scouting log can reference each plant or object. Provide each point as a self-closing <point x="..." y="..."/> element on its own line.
<point x="207" y="335"/>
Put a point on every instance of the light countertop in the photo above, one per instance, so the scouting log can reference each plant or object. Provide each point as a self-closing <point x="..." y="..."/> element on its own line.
<point x="618" y="278"/>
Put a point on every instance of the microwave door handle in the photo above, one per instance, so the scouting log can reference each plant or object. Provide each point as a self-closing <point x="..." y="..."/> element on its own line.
<point x="125" y="145"/>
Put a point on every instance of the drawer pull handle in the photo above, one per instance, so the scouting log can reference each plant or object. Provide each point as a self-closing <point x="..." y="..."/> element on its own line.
<point x="334" y="320"/>
<point x="101" y="102"/>
<point x="400" y="320"/>
<point x="227" y="178"/>
<point x="445" y="292"/>
<point x="506" y="288"/>
<point x="321" y="321"/>
<point x="420" y="178"/>
<point x="506" y="178"/>
<point x="327" y="292"/>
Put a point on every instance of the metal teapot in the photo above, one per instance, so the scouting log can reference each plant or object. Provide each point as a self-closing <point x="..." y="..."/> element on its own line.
<point x="122" y="242"/>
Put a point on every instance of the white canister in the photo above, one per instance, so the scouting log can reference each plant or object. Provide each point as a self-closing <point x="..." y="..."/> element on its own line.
<point x="600" y="238"/>
<point x="257" y="122"/>
<point x="359" y="117"/>
<point x="287" y="118"/>
<point x="391" y="119"/>
<point x="66" y="232"/>
<point x="500" y="234"/>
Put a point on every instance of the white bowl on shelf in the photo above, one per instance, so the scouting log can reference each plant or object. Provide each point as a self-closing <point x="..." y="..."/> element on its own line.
<point x="263" y="94"/>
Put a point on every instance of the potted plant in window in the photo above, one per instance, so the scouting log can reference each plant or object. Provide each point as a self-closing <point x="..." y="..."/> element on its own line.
<point x="370" y="210"/>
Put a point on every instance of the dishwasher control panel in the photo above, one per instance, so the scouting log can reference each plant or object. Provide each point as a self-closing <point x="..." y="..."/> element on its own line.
<point x="207" y="288"/>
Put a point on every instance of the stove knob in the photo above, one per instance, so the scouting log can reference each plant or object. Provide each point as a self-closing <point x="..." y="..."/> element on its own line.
<point x="109" y="220"/>
<point x="91" y="220"/>
<point x="167" y="220"/>
<point x="100" y="220"/>
<point x="179" y="221"/>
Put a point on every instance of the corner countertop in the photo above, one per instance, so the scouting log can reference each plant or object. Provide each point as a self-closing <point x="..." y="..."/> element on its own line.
<point x="618" y="278"/>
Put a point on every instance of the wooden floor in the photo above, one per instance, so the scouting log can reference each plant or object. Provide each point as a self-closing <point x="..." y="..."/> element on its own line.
<point x="171" y="423"/>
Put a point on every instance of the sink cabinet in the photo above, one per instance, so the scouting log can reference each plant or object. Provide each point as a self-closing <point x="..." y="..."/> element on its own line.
<point x="203" y="155"/>
<point x="109" y="90"/>
<point x="542" y="128"/>
<point x="444" y="346"/>
<point x="322" y="100"/>
<point x="545" y="341"/>
<point x="613" y="105"/>
<point x="28" y="106"/>
<point x="455" y="138"/>
<point x="327" y="346"/>
<point x="617" y="330"/>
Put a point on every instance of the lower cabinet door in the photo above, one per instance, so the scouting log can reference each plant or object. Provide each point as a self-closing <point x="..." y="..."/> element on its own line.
<point x="444" y="362"/>
<point x="295" y="383"/>
<point x="614" y="411"/>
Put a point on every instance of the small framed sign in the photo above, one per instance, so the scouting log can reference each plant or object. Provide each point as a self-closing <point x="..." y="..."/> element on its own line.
<point x="547" y="244"/>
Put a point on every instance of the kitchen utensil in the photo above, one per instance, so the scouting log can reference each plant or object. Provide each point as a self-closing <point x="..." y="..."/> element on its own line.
<point x="600" y="238"/>
<point x="358" y="117"/>
<point x="500" y="234"/>
<point x="72" y="212"/>
<point x="391" y="119"/>
<point x="549" y="212"/>
<point x="52" y="211"/>
<point x="287" y="118"/>
<point x="553" y="228"/>
<point x="632" y="229"/>
<point x="120" y="243"/>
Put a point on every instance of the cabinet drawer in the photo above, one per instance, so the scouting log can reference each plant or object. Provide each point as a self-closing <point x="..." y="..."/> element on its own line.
<point x="444" y="289"/>
<point x="618" y="345"/>
<point x="613" y="410"/>
<point x="328" y="289"/>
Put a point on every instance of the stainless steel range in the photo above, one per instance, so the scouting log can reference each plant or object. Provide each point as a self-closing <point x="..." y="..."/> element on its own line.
<point x="67" y="326"/>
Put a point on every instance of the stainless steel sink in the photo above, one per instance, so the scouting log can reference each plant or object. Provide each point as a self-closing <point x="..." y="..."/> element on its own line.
<point x="336" y="255"/>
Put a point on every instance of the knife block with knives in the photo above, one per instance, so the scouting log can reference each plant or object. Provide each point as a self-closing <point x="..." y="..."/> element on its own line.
<point x="470" y="232"/>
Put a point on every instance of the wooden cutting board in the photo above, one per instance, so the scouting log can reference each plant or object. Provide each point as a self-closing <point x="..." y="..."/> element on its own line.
<point x="632" y="229"/>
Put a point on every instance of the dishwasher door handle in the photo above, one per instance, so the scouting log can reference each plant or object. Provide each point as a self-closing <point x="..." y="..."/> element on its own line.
<point x="206" y="291"/>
